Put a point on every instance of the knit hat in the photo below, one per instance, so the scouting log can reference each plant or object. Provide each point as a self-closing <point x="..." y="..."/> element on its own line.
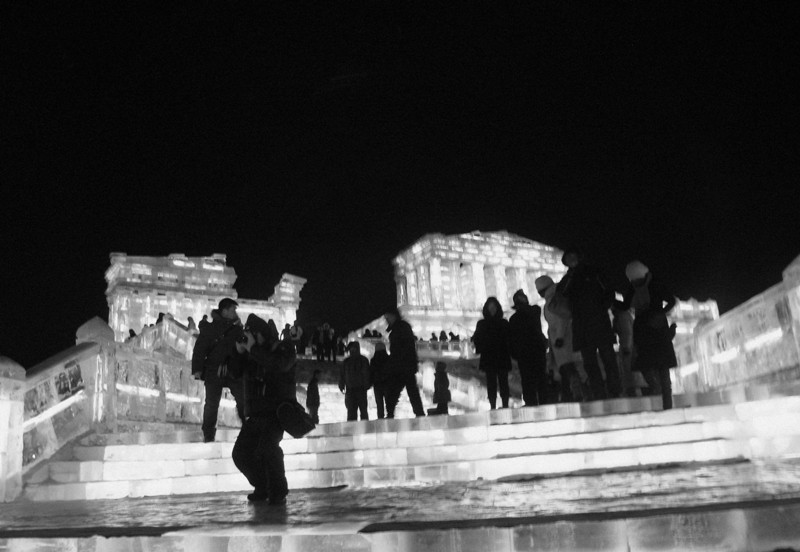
<point x="636" y="270"/>
<point x="543" y="282"/>
<point x="518" y="298"/>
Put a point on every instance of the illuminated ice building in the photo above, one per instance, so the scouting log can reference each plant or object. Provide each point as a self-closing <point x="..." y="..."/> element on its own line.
<point x="139" y="288"/>
<point x="443" y="281"/>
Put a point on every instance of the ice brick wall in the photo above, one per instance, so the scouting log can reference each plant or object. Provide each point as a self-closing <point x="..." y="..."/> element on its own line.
<point x="755" y="342"/>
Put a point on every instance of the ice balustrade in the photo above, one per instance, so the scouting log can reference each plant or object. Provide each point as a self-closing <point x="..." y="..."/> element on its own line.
<point x="757" y="342"/>
<point x="94" y="385"/>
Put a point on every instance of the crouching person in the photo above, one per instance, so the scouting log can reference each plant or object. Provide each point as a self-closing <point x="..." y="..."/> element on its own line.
<point x="269" y="380"/>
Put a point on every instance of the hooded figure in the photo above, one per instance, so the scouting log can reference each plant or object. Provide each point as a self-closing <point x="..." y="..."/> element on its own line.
<point x="652" y="333"/>
<point x="491" y="340"/>
<point x="529" y="349"/>
<point x="269" y="381"/>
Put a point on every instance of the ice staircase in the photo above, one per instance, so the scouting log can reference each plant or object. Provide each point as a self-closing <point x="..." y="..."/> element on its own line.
<point x="523" y="443"/>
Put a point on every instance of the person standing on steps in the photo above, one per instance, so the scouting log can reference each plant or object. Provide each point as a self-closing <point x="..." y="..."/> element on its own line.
<point x="215" y="361"/>
<point x="491" y="340"/>
<point x="403" y="364"/>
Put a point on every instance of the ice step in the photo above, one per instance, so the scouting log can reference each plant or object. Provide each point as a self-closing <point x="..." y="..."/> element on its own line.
<point x="520" y="467"/>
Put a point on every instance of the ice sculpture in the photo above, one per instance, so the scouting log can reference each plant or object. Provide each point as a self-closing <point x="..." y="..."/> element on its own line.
<point x="139" y="288"/>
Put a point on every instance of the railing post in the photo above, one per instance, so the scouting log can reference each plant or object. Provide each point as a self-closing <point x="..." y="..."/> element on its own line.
<point x="12" y="393"/>
<point x="791" y="282"/>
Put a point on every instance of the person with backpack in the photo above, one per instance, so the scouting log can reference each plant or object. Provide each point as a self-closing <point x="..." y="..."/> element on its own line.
<point x="215" y="361"/>
<point x="268" y="373"/>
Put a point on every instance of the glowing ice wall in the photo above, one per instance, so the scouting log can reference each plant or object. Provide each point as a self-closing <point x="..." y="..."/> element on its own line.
<point x="757" y="342"/>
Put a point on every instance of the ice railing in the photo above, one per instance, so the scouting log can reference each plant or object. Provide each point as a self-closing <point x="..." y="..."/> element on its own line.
<point x="100" y="386"/>
<point x="757" y="342"/>
<point x="166" y="335"/>
<point x="59" y="400"/>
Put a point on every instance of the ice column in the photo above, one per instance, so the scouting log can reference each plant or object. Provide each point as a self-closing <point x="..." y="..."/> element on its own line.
<point x="12" y="389"/>
<point x="479" y="284"/>
<point x="437" y="295"/>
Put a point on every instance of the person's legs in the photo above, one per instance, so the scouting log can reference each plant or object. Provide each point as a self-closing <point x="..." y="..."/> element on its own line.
<point x="567" y="371"/>
<point x="313" y="411"/>
<point x="539" y="372"/>
<point x="413" y="395"/>
<point x="379" y="400"/>
<point x="213" y="386"/>
<point x="653" y="381"/>
<point x="247" y="459"/>
<point x="528" y="382"/>
<point x="351" y="403"/>
<point x="491" y="388"/>
<point x="236" y="387"/>
<point x="393" y="389"/>
<point x="502" y="379"/>
<point x="592" y="368"/>
<point x="609" y="358"/>
<point x="666" y="388"/>
<point x="272" y="455"/>
<point x="362" y="404"/>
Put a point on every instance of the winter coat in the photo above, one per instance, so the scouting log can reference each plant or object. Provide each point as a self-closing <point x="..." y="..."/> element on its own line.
<point x="652" y="334"/>
<point x="216" y="346"/>
<point x="559" y="327"/>
<point x="491" y="342"/>
<point x="526" y="339"/>
<point x="269" y="378"/>
<point x="441" y="387"/>
<point x="312" y="394"/>
<point x="402" y="346"/>
<point x="354" y="373"/>
<point x="590" y="298"/>
<point x="378" y="367"/>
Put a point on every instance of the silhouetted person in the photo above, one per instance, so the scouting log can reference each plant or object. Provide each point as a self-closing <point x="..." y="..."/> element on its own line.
<point x="491" y="339"/>
<point x="454" y="337"/>
<point x="441" y="388"/>
<point x="312" y="396"/>
<point x="378" y="368"/>
<point x="296" y="333"/>
<point x="269" y="380"/>
<point x="590" y="299"/>
<point x="215" y="361"/>
<point x="316" y="344"/>
<point x="190" y="325"/>
<point x="433" y="338"/>
<point x="529" y="348"/>
<point x="328" y="343"/>
<point x="354" y="381"/>
<point x="652" y="334"/>
<point x="203" y="323"/>
<point x="623" y="327"/>
<point x="442" y="336"/>
<point x="402" y="364"/>
<point x="559" y="334"/>
<point x="367" y="333"/>
<point x="131" y="334"/>
<point x="160" y="318"/>
<point x="286" y="333"/>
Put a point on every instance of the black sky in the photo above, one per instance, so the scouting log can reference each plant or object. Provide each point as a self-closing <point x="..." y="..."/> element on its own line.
<point x="322" y="138"/>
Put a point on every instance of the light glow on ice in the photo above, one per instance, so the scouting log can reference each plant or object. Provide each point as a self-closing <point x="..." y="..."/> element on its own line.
<point x="763" y="339"/>
<point x="725" y="356"/>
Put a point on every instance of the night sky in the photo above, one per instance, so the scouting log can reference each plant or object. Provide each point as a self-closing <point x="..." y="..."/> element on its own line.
<point x="322" y="138"/>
